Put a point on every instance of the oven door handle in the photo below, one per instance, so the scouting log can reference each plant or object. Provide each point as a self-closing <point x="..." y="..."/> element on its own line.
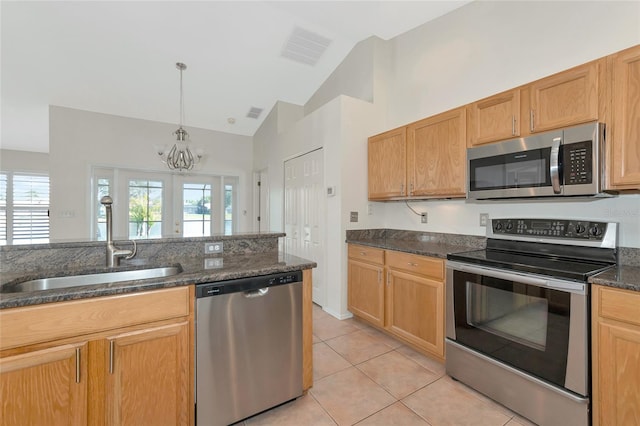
<point x="567" y="286"/>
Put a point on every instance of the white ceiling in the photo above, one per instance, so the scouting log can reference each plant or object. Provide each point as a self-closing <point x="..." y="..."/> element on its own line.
<point x="119" y="57"/>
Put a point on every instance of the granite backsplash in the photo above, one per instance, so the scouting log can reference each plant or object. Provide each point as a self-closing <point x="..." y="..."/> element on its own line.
<point x="73" y="255"/>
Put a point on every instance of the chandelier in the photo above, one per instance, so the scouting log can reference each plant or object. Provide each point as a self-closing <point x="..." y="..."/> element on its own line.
<point x="180" y="156"/>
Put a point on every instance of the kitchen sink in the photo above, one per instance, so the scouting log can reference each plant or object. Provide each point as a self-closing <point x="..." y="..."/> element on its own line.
<point x="90" y="279"/>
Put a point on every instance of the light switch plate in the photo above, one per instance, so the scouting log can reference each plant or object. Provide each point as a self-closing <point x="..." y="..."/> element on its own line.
<point x="484" y="219"/>
<point x="354" y="217"/>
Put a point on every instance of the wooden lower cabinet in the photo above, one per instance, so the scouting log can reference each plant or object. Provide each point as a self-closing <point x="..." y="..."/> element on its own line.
<point x="45" y="387"/>
<point x="148" y="380"/>
<point x="401" y="293"/>
<point x="135" y="375"/>
<point x="415" y="310"/>
<point x="616" y="356"/>
<point x="366" y="284"/>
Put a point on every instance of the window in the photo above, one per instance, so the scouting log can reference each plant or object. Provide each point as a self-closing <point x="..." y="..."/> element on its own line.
<point x="24" y="208"/>
<point x="104" y="186"/>
<point x="163" y="204"/>
<point x="145" y="209"/>
<point x="196" y="210"/>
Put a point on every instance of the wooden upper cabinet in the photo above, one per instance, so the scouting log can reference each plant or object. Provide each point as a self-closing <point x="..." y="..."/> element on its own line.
<point x="564" y="99"/>
<point x="436" y="155"/>
<point x="494" y="118"/>
<point x="387" y="165"/>
<point x="624" y="134"/>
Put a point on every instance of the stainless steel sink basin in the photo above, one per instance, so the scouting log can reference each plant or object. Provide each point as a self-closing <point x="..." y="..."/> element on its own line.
<point x="90" y="279"/>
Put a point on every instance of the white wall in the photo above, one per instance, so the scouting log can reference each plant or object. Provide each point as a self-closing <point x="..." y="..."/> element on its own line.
<point x="23" y="161"/>
<point x="487" y="47"/>
<point x="82" y="139"/>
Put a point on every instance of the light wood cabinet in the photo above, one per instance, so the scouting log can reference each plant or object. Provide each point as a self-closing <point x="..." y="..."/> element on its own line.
<point x="366" y="284"/>
<point x="45" y="387"/>
<point x="624" y="133"/>
<point x="112" y="360"/>
<point x="564" y="99"/>
<point x="387" y="156"/>
<point x="436" y="155"/>
<point x="415" y="300"/>
<point x="401" y="293"/>
<point x="616" y="356"/>
<point x="494" y="118"/>
<point x="148" y="380"/>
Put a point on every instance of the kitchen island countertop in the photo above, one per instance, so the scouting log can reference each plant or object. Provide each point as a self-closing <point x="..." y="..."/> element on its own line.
<point x="195" y="270"/>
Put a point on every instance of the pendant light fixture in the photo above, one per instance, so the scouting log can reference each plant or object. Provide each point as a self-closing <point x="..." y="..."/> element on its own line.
<point x="180" y="156"/>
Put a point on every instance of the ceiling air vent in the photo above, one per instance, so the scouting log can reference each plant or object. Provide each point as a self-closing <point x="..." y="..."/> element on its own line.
<point x="254" y="112"/>
<point x="304" y="46"/>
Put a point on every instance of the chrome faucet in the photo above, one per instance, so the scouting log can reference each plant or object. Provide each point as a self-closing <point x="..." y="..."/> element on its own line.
<point x="113" y="253"/>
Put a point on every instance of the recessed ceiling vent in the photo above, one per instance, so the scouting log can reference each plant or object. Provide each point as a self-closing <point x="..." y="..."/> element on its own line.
<point x="254" y="112"/>
<point x="304" y="46"/>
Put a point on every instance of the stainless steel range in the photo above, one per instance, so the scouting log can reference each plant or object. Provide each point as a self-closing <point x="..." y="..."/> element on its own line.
<point x="517" y="325"/>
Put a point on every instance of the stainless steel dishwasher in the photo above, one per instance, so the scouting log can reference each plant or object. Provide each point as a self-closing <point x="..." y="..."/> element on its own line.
<point x="248" y="346"/>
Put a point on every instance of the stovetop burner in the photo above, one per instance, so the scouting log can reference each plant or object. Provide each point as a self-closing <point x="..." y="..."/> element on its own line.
<point x="568" y="249"/>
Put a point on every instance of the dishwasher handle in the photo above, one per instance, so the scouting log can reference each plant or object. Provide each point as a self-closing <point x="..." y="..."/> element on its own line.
<point x="256" y="293"/>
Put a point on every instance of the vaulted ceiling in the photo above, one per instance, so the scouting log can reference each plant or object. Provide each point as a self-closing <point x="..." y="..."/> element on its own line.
<point x="119" y="57"/>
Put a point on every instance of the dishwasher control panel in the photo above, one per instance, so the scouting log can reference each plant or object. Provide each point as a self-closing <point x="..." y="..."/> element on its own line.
<point x="247" y="284"/>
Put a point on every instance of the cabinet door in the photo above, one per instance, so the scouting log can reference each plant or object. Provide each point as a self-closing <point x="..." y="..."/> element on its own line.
<point x="148" y="378"/>
<point x="45" y="387"/>
<point x="415" y="310"/>
<point x="437" y="155"/>
<point x="387" y="165"/>
<point x="625" y="133"/>
<point x="366" y="292"/>
<point x="494" y="118"/>
<point x="565" y="99"/>
<point x="619" y="374"/>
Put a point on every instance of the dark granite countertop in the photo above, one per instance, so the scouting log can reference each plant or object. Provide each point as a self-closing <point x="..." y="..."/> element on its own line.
<point x="622" y="276"/>
<point x="195" y="270"/>
<point x="425" y="248"/>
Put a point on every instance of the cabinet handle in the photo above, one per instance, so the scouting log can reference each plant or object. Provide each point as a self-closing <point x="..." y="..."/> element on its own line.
<point x="77" y="365"/>
<point x="513" y="125"/>
<point x="402" y="189"/>
<point x="412" y="264"/>
<point x="411" y="189"/>
<point x="363" y="253"/>
<point x="111" y="348"/>
<point x="388" y="278"/>
<point x="531" y="117"/>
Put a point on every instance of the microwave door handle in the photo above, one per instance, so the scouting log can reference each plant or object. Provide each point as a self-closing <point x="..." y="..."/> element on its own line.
<point x="554" y="165"/>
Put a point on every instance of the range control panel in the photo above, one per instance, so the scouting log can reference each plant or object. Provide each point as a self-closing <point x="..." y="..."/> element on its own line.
<point x="558" y="228"/>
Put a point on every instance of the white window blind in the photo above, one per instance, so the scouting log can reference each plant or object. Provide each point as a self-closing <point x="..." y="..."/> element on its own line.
<point x="30" y="209"/>
<point x="3" y="208"/>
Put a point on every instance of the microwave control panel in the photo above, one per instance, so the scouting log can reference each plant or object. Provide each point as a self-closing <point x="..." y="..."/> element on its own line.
<point x="558" y="228"/>
<point x="577" y="163"/>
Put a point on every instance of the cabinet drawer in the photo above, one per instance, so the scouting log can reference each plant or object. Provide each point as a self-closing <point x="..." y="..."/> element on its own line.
<point x="620" y="305"/>
<point x="366" y="254"/>
<point x="416" y="264"/>
<point x="52" y="321"/>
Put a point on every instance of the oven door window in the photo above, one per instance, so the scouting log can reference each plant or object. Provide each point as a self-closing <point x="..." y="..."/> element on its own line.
<point x="521" y="325"/>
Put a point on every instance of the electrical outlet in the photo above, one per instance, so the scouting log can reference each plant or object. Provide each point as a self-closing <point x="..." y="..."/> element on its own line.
<point x="213" y="263"/>
<point x="354" y="217"/>
<point x="212" y="248"/>
<point x="423" y="217"/>
<point x="369" y="209"/>
<point x="484" y="219"/>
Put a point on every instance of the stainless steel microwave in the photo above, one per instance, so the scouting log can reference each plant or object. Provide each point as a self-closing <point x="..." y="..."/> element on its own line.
<point x="565" y="162"/>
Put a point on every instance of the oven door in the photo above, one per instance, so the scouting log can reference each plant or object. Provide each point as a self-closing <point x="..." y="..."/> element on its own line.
<point x="536" y="325"/>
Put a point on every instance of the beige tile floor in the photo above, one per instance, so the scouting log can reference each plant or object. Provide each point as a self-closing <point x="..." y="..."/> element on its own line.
<point x="366" y="378"/>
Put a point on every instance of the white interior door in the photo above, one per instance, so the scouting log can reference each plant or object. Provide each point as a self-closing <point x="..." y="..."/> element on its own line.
<point x="304" y="214"/>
